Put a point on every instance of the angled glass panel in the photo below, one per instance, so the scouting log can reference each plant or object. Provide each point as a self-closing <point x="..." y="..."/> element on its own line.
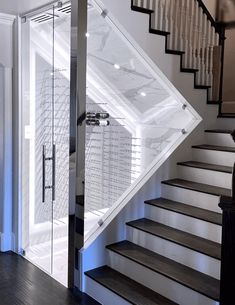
<point x="133" y="117"/>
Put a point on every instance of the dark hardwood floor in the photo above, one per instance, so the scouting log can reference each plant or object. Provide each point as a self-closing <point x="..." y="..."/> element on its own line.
<point x="21" y="283"/>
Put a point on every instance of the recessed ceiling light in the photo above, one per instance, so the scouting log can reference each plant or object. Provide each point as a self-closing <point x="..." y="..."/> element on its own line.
<point x="116" y="66"/>
<point x="87" y="35"/>
<point x="143" y="94"/>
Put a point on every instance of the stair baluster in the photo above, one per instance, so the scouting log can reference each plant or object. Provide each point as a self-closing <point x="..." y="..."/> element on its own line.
<point x="137" y="3"/>
<point x="171" y="23"/>
<point x="176" y="25"/>
<point x="207" y="53"/>
<point x="189" y="63"/>
<point x="161" y="15"/>
<point x="166" y="6"/>
<point x="180" y="25"/>
<point x="200" y="48"/>
<point x="204" y="35"/>
<point x="195" y="36"/>
<point x="150" y="4"/>
<point x="154" y="19"/>
<point x="192" y="31"/>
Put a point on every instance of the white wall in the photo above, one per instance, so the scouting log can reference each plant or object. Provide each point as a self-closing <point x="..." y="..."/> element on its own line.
<point x="211" y="6"/>
<point x="16" y="7"/>
<point x="229" y="64"/>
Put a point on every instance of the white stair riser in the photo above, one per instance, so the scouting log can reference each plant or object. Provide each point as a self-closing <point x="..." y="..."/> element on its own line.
<point x="184" y="223"/>
<point x="214" y="157"/>
<point x="157" y="282"/>
<point x="205" y="176"/>
<point x="220" y="139"/>
<point x="197" y="199"/>
<point x="102" y="294"/>
<point x="178" y="253"/>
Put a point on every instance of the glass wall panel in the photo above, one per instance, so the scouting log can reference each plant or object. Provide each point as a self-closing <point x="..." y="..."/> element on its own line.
<point x="132" y="116"/>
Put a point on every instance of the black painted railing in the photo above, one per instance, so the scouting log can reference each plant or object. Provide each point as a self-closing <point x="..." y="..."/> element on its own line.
<point x="227" y="277"/>
<point x="193" y="33"/>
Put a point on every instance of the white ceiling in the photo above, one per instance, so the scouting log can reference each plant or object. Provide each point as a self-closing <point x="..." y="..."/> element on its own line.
<point x="21" y="6"/>
<point x="16" y="7"/>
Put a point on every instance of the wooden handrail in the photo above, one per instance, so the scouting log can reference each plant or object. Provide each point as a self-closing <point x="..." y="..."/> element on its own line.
<point x="220" y="29"/>
<point x="209" y="16"/>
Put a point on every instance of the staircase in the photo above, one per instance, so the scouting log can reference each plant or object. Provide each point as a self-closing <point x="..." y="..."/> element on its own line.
<point x="172" y="256"/>
<point x="190" y="32"/>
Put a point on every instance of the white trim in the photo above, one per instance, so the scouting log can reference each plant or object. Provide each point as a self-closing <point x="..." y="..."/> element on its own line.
<point x="7" y="19"/>
<point x="16" y="112"/>
<point x="5" y="242"/>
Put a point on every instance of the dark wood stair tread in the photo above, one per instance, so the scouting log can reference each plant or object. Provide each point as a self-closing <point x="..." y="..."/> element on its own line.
<point x="186" y="276"/>
<point x="226" y="131"/>
<point x="198" y="187"/>
<point x="211" y="102"/>
<point x="126" y="288"/>
<point x="158" y="32"/>
<point x="179" y="237"/>
<point x="202" y="87"/>
<point x="174" y="52"/>
<point x="215" y="147"/>
<point x="188" y="210"/>
<point x="141" y="9"/>
<point x="189" y="70"/>
<point x="212" y="167"/>
<point x="226" y="115"/>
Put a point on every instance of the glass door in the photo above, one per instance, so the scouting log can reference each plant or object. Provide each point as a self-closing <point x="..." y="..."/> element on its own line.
<point x="45" y="139"/>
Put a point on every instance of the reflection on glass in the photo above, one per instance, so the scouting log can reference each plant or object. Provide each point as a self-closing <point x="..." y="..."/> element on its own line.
<point x="144" y="117"/>
<point x="46" y="97"/>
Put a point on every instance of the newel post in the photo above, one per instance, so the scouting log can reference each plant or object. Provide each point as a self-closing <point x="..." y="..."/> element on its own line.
<point x="227" y="277"/>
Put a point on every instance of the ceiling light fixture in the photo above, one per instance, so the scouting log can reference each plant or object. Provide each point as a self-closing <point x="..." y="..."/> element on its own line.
<point x="116" y="66"/>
